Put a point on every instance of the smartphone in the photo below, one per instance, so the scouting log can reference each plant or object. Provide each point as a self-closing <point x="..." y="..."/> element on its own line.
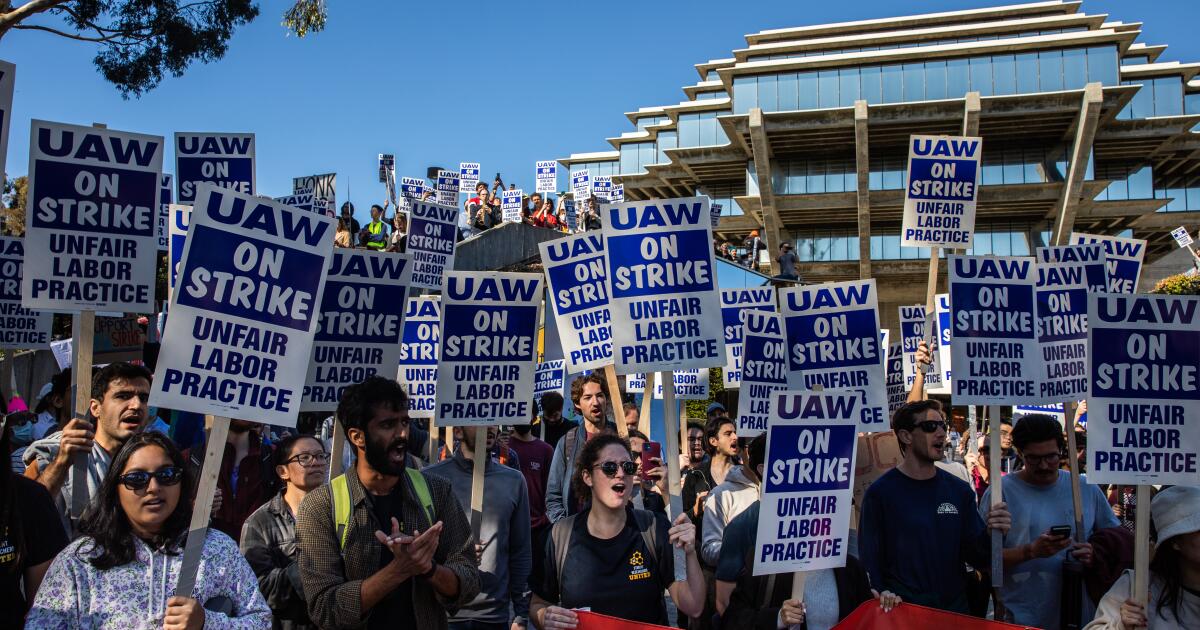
<point x="650" y="450"/>
<point x="1060" y="530"/>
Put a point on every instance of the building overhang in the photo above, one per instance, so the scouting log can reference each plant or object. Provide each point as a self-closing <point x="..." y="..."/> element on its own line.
<point x="1171" y="68"/>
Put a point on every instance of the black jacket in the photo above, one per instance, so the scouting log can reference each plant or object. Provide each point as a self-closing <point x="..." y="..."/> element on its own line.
<point x="746" y="605"/>
<point x="269" y="544"/>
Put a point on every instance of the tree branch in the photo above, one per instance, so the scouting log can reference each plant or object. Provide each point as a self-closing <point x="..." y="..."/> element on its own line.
<point x="82" y="38"/>
<point x="33" y="7"/>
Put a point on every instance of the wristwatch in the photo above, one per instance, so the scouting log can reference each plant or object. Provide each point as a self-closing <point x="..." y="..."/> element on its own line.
<point x="433" y="565"/>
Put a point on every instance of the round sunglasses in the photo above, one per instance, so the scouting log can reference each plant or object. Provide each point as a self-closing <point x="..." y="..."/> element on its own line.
<point x="140" y="479"/>
<point x="610" y="468"/>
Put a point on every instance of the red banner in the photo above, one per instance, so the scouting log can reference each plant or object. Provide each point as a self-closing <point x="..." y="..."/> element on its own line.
<point x="595" y="621"/>
<point x="912" y="617"/>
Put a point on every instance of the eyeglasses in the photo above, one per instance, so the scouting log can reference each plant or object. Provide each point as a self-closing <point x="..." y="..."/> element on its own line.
<point x="140" y="479"/>
<point x="1049" y="458"/>
<point x="931" y="426"/>
<point x="627" y="467"/>
<point x="308" y="459"/>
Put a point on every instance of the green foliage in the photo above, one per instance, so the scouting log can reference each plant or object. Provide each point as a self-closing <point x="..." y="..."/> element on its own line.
<point x="1181" y="284"/>
<point x="306" y="16"/>
<point x="14" y="205"/>
<point x="716" y="385"/>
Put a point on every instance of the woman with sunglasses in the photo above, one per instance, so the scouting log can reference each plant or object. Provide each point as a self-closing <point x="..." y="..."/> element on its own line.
<point x="122" y="572"/>
<point x="612" y="558"/>
<point x="269" y="535"/>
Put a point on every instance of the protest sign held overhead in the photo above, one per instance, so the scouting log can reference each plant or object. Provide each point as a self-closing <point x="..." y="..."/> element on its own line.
<point x="245" y="311"/>
<point x="324" y="191"/>
<point x="511" y="204"/>
<point x="90" y="221"/>
<point x="943" y="186"/>
<point x="178" y="228"/>
<point x="1123" y="259"/>
<point x="302" y="199"/>
<point x="618" y="194"/>
<point x="734" y="303"/>
<point x="468" y="176"/>
<point x="1055" y="411"/>
<point x="897" y="393"/>
<point x="1092" y="257"/>
<point x="163" y="217"/>
<point x="666" y="312"/>
<point x="20" y="328"/>
<point x="550" y="376"/>
<point x="996" y="354"/>
<point x="412" y="188"/>
<point x="447" y="188"/>
<point x="1062" y="290"/>
<point x="488" y="348"/>
<point x="418" y="367"/>
<point x="689" y="385"/>
<point x="572" y="217"/>
<point x="764" y="369"/>
<point x="581" y="187"/>
<point x="117" y="339"/>
<point x="225" y="160"/>
<point x="635" y="383"/>
<point x="1181" y="236"/>
<point x="545" y="174"/>
<point x="8" y="80"/>
<point x="602" y="187"/>
<point x="833" y="342"/>
<point x="944" y="339"/>
<point x="804" y="522"/>
<point x="432" y="237"/>
<point x="912" y="332"/>
<point x="578" y="296"/>
<point x="1144" y="407"/>
<point x="359" y="332"/>
<point x="714" y="214"/>
<point x="387" y="168"/>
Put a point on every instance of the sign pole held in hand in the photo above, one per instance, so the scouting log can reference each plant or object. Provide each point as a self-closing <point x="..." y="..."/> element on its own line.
<point x="647" y="400"/>
<point x="616" y="404"/>
<point x="198" y="529"/>
<point x="83" y="328"/>
<point x="672" y="456"/>
<point x="995" y="477"/>
<point x="1141" y="546"/>
<point x="337" y="446"/>
<point x="480" y="467"/>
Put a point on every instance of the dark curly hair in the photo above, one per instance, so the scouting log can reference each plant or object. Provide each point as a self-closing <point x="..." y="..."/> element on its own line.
<point x="359" y="402"/>
<point x="108" y="526"/>
<point x="1038" y="427"/>
<point x="589" y="457"/>
<point x="577" y="386"/>
<point x="114" y="371"/>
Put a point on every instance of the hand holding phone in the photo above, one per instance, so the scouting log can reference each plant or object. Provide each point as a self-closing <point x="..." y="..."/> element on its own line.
<point x="650" y="451"/>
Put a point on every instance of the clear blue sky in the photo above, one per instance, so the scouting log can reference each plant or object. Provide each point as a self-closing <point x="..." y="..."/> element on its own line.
<point x="500" y="83"/>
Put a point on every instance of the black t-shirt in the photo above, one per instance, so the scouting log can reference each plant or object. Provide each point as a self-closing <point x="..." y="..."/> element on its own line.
<point x="396" y="610"/>
<point x="615" y="577"/>
<point x="44" y="538"/>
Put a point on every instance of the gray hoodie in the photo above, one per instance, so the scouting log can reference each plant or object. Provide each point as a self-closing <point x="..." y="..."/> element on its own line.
<point x="726" y="501"/>
<point x="45" y="450"/>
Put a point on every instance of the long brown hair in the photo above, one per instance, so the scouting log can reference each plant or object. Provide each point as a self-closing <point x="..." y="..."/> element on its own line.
<point x="588" y="458"/>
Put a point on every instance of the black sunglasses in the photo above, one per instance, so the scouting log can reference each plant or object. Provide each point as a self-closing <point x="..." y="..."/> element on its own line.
<point x="610" y="468"/>
<point x="931" y="426"/>
<point x="140" y="479"/>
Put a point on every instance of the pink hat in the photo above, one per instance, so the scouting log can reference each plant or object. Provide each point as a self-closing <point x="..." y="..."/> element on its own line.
<point x="16" y="404"/>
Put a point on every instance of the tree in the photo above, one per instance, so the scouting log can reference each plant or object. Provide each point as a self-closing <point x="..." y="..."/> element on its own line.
<point x="140" y="40"/>
<point x="14" y="205"/>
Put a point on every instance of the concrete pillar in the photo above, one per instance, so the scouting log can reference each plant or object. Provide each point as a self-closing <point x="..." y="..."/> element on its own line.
<point x="1081" y="152"/>
<point x="971" y="114"/>
<point x="862" y="163"/>
<point x="761" y="152"/>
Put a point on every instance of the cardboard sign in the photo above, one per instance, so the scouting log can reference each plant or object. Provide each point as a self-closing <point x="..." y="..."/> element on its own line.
<point x="618" y="194"/>
<point x="20" y="328"/>
<point x="944" y="339"/>
<point x="1181" y="236"/>
<point x="804" y="522"/>
<point x="764" y="372"/>
<point x="359" y="331"/>
<point x="447" y="188"/>
<point x="943" y="184"/>
<point x="418" y="368"/>
<point x="1144" y="408"/>
<point x="468" y="176"/>
<point x="164" y="211"/>
<point x="833" y="341"/>
<point x="488" y="348"/>
<point x="550" y="376"/>
<point x="511" y="204"/>
<point x="912" y="332"/>
<point x="117" y="339"/>
<point x="8" y="80"/>
<point x="225" y="160"/>
<point x="90" y="221"/>
<point x="734" y="304"/>
<point x="877" y="453"/>
<point x="897" y="393"/>
<point x="1061" y="303"/>
<point x="1123" y="258"/>
<point x="602" y="187"/>
<point x="545" y="176"/>
<point x="412" y="188"/>
<point x="581" y="187"/>
<point x="240" y="334"/>
<point x="995" y="350"/>
<point x="432" y="238"/>
<point x="689" y="385"/>
<point x="324" y="191"/>
<point x="178" y="228"/>
<point x="578" y="297"/>
<point x="666" y="313"/>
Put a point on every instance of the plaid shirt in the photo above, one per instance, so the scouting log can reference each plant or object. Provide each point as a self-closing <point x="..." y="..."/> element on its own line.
<point x="333" y="577"/>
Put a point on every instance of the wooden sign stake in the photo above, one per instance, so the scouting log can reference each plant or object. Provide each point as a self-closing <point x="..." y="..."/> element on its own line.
<point x="202" y="507"/>
<point x="1141" y="546"/>
<point x="481" y="458"/>
<point x="83" y="329"/>
<point x="995" y="477"/>
<point x="337" y="447"/>
<point x="672" y="451"/>
<point x="647" y="400"/>
<point x="616" y="404"/>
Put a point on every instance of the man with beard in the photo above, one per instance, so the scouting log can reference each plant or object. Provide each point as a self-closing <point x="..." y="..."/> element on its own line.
<point x="120" y="392"/>
<point x="383" y="546"/>
<point x="535" y="457"/>
<point x="247" y="479"/>
<point x="590" y="396"/>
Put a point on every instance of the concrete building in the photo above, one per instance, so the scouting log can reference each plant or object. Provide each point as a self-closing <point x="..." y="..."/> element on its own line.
<point x="803" y="133"/>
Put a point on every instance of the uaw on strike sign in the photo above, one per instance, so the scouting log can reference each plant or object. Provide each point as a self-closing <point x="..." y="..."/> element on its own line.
<point x="245" y="309"/>
<point x="943" y="185"/>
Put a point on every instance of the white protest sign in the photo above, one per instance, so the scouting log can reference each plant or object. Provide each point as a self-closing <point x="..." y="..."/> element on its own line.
<point x="635" y="383"/>
<point x="1054" y="411"/>
<point x="164" y="211"/>
<point x="734" y="303"/>
<point x="358" y="335"/>
<point x="432" y="237"/>
<point x="178" y="229"/>
<point x="387" y="168"/>
<point x="715" y="214"/>
<point x="489" y="348"/>
<point x="1061" y="303"/>
<point x="897" y="393"/>
<point x="1123" y="257"/>
<point x="8" y="79"/>
<point x="578" y="297"/>
<point x="546" y="176"/>
<point x="618" y="194"/>
<point x="689" y="385"/>
<point x="1144" y="408"/>
<point x="324" y="191"/>
<point x="833" y="342"/>
<point x="944" y="339"/>
<point x="412" y="188"/>
<point x="666" y="312"/>
<point x="447" y="188"/>
<point x="240" y="334"/>
<point x="602" y="187"/>
<point x="225" y="160"/>
<point x="1092" y="257"/>
<point x="995" y="347"/>
<point x="510" y="205"/>
<point x="764" y="369"/>
<point x="1181" y="236"/>
<point x="418" y="368"/>
<point x="550" y="376"/>
<point x="468" y="176"/>
<point x="572" y="219"/>
<point x="90" y="221"/>
<point x="581" y="187"/>
<point x="943" y="184"/>
<point x="63" y="350"/>
<point x="302" y="199"/>
<point x="20" y="328"/>
<point x="804" y="521"/>
<point x="912" y="332"/>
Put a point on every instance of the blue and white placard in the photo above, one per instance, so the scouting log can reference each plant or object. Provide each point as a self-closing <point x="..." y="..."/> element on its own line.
<point x="689" y="385"/>
<point x="550" y="376"/>
<point x="734" y="303"/>
<point x="578" y="297"/>
<point x="432" y="238"/>
<point x="225" y="160"/>
<point x="468" y="176"/>
<point x="943" y="186"/>
<point x="1181" y="236"/>
<point x="618" y="194"/>
<point x="418" y="368"/>
<point x="944" y="338"/>
<point x="511" y="205"/>
<point x="602" y="187"/>
<point x="581" y="188"/>
<point x="897" y="393"/>
<point x="412" y="188"/>
<point x="764" y="369"/>
<point x="20" y="328"/>
<point x="447" y="188"/>
<point x="1123" y="257"/>
<point x="324" y="190"/>
<point x="178" y="229"/>
<point x="912" y="332"/>
<point x="545" y="176"/>
<point x="302" y="199"/>
<point x="1092" y="257"/>
<point x="1062" y="290"/>
<point x="165" y="194"/>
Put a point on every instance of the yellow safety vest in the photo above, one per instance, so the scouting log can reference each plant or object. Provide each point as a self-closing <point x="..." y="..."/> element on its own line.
<point x="375" y="229"/>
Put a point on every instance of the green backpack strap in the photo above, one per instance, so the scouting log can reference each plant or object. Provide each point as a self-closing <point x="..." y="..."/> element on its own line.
<point x="421" y="487"/>
<point x="342" y="507"/>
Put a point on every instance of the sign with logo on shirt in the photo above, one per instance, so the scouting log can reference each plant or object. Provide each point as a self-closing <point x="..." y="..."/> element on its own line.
<point x="510" y="205"/>
<point x="8" y="79"/>
<point x="833" y="341"/>
<point x="734" y="304"/>
<point x="1144" y="407"/>
<point x="412" y="188"/>
<point x="764" y="370"/>
<point x="489" y="348"/>
<point x="165" y="189"/>
<point x="1123" y="258"/>
<point x="545" y="176"/>
<point x="550" y="376"/>
<point x="90" y="230"/>
<point x="324" y="191"/>
<point x="432" y="237"/>
<point x="468" y="176"/>
<point x="20" y="328"/>
<point x="602" y="187"/>
<point x="912" y="332"/>
<point x="581" y="187"/>
<point x="689" y="385"/>
<point x="665" y="309"/>
<point x="418" y="367"/>
<point x="225" y="160"/>
<point x="1061" y="303"/>
<point x="944" y="338"/>
<point x="1181" y="236"/>
<point x="943" y="184"/>
<point x="302" y="199"/>
<point x="808" y="485"/>
<point x="358" y="335"/>
<point x="240" y="335"/>
<point x="578" y="296"/>
<point x="618" y="194"/>
<point x="996" y="352"/>
<point x="897" y="393"/>
<point x="447" y="188"/>
<point x="180" y="219"/>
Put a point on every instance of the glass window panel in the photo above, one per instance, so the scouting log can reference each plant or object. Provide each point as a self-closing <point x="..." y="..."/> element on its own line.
<point x="1141" y="183"/>
<point x="992" y="174"/>
<point x="804" y="248"/>
<point x="891" y="246"/>
<point x="1168" y="96"/>
<point x="1050" y="77"/>
<point x="1012" y="168"/>
<point x="870" y="88"/>
<point x="1004" y="74"/>
<point x="1193" y="197"/>
<point x="827" y="88"/>
<point x="646" y="154"/>
<point x="629" y="159"/>
<point x="1074" y="68"/>
<point x="689" y="130"/>
<point x="875" y="180"/>
<point x="807" y="90"/>
<point x="718" y="130"/>
<point x="892" y="179"/>
<point x="1031" y="171"/>
<point x="787" y="92"/>
<point x="816" y="176"/>
<point x="768" y="93"/>
<point x="1191" y="103"/>
<point x="1002" y="243"/>
<point x="847" y="86"/>
<point x="914" y="81"/>
<point x="1102" y="64"/>
<point x="1027" y="73"/>
<point x="981" y="75"/>
<point x="982" y="244"/>
<point x="834" y="177"/>
<point x="893" y="85"/>
<point x="876" y="247"/>
<point x="935" y="80"/>
<point x="958" y="78"/>
<point x="708" y="129"/>
<point x="1179" y="199"/>
<point x="1142" y="105"/>
<point x="666" y="140"/>
<point x="822" y="247"/>
<point x="745" y="94"/>
<point x="1020" y="244"/>
<point x="851" y="178"/>
<point x="779" y="178"/>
